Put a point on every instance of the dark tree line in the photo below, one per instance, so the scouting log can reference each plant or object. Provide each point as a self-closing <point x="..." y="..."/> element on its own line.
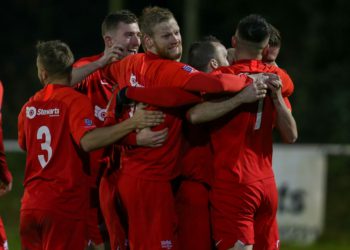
<point x="315" y="50"/>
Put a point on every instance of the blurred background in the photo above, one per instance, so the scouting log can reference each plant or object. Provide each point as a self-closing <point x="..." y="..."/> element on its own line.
<point x="315" y="51"/>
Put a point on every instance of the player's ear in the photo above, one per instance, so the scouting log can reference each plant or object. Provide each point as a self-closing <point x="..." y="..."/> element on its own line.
<point x="213" y="63"/>
<point x="148" y="41"/>
<point x="234" y="42"/>
<point x="108" y="41"/>
<point x="44" y="74"/>
<point x="265" y="51"/>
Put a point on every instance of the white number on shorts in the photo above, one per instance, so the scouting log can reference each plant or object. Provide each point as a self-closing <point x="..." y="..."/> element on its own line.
<point x="44" y="130"/>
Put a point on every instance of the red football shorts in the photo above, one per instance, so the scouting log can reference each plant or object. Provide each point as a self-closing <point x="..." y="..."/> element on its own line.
<point x="3" y="239"/>
<point x="45" y="230"/>
<point x="245" y="213"/>
<point x="150" y="209"/>
<point x="109" y="207"/>
<point x="192" y="207"/>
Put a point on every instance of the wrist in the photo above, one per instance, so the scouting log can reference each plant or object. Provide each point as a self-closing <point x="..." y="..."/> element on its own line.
<point x="101" y="62"/>
<point x="132" y="121"/>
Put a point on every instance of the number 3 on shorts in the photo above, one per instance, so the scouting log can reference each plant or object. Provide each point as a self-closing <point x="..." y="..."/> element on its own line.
<point x="44" y="130"/>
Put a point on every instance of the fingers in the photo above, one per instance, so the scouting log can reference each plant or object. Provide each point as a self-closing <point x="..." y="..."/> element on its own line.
<point x="119" y="52"/>
<point x="151" y="118"/>
<point x="115" y="52"/>
<point x="271" y="76"/>
<point x="273" y="81"/>
<point x="261" y="92"/>
<point x="258" y="78"/>
<point x="148" y="138"/>
<point x="159" y="137"/>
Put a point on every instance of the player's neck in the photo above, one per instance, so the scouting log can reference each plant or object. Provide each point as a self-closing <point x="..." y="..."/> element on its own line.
<point x="248" y="55"/>
<point x="60" y="81"/>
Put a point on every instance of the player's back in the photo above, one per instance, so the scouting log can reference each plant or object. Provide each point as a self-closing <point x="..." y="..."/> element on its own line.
<point x="242" y="140"/>
<point x="49" y="132"/>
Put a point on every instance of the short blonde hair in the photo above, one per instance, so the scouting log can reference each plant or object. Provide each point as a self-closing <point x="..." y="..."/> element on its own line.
<point x="151" y="16"/>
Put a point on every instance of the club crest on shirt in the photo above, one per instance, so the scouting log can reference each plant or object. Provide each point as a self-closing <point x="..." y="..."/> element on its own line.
<point x="30" y="112"/>
<point x="100" y="113"/>
<point x="134" y="82"/>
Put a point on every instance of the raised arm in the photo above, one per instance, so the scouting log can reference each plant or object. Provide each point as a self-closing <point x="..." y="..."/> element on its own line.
<point x="285" y="121"/>
<point x="79" y="73"/>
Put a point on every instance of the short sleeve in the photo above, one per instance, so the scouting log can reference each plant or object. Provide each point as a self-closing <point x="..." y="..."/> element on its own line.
<point x="81" y="119"/>
<point x="21" y="135"/>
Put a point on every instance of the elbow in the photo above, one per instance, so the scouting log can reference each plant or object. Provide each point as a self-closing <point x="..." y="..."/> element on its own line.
<point x="192" y="117"/>
<point x="292" y="138"/>
<point x="86" y="145"/>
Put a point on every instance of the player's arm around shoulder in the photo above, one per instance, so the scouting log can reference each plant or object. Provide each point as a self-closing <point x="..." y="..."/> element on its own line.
<point x="216" y="108"/>
<point x="101" y="137"/>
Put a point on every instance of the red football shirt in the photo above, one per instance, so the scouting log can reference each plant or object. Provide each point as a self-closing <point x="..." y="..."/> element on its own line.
<point x="197" y="163"/>
<point x="5" y="175"/>
<point x="50" y="126"/>
<point x="99" y="90"/>
<point x="242" y="139"/>
<point x="148" y="70"/>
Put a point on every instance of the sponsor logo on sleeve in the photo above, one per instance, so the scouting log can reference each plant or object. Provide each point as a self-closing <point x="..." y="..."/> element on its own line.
<point x="188" y="68"/>
<point x="88" y="122"/>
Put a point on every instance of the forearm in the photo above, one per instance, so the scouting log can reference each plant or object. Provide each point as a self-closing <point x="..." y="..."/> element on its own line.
<point x="217" y="83"/>
<point x="101" y="137"/>
<point x="80" y="73"/>
<point x="211" y="110"/>
<point x="285" y="121"/>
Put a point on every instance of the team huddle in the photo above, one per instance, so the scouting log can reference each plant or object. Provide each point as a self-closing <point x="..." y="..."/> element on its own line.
<point x="159" y="153"/>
